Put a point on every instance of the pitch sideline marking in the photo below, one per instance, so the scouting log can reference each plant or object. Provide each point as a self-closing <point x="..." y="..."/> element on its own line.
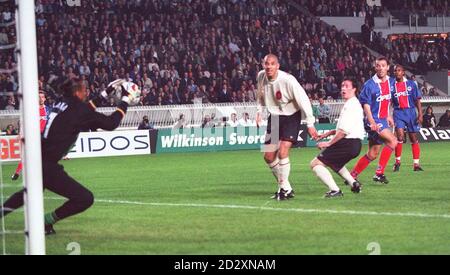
<point x="264" y="208"/>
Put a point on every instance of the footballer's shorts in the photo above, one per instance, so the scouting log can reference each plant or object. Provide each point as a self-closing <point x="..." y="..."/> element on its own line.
<point x="283" y="128"/>
<point x="406" y="119"/>
<point x="374" y="136"/>
<point x="339" y="154"/>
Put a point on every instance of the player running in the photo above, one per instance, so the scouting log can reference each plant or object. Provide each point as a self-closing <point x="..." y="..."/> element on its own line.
<point x="375" y="98"/>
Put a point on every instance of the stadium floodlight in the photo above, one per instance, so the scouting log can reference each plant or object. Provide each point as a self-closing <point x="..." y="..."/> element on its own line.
<point x="31" y="144"/>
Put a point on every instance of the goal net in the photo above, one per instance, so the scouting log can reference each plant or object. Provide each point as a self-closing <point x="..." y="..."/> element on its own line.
<point x="22" y="231"/>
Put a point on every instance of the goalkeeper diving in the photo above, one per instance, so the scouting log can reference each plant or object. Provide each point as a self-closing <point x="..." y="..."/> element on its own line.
<point x="70" y="116"/>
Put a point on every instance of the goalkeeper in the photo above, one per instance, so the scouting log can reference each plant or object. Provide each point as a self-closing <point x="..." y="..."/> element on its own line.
<point x="67" y="119"/>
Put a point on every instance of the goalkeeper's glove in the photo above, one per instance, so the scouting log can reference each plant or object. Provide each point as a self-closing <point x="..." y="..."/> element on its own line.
<point x="112" y="86"/>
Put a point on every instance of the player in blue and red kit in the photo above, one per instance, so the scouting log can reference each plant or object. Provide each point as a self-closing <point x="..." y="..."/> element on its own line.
<point x="375" y="98"/>
<point x="44" y="110"/>
<point x="406" y="98"/>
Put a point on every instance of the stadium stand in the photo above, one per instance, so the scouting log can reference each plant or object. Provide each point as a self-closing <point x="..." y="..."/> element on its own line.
<point x="184" y="52"/>
<point x="211" y="54"/>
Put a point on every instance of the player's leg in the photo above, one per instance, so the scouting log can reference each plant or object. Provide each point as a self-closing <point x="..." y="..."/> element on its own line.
<point x="337" y="156"/>
<point x="285" y="166"/>
<point x="79" y="197"/>
<point x="271" y="159"/>
<point x="415" y="151"/>
<point x="325" y="176"/>
<point x="400" y="134"/>
<point x="289" y="128"/>
<point x="390" y="142"/>
<point x="346" y="150"/>
<point x="364" y="161"/>
<point x="413" y="129"/>
<point x="271" y="149"/>
<point x="14" y="202"/>
<point x="16" y="174"/>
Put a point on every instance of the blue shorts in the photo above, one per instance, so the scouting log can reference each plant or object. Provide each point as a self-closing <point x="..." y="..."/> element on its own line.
<point x="374" y="136"/>
<point x="406" y="119"/>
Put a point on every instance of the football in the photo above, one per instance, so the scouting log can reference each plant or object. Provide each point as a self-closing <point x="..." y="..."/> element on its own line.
<point x="131" y="90"/>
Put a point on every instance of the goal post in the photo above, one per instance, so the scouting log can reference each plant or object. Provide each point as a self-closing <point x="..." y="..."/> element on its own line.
<point x="31" y="143"/>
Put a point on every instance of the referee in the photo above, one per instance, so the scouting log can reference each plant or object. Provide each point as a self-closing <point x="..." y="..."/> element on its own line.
<point x="344" y="146"/>
<point x="67" y="119"/>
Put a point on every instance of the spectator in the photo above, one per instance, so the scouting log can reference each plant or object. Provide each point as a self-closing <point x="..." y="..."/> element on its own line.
<point x="444" y="121"/>
<point x="3" y="37"/>
<point x="323" y="111"/>
<point x="429" y="120"/>
<point x="413" y="78"/>
<point x="233" y="122"/>
<point x="207" y="122"/>
<point x="181" y="122"/>
<point x="84" y="69"/>
<point x="10" y="130"/>
<point x="245" y="121"/>
<point x="223" y="122"/>
<point x="11" y="104"/>
<point x="224" y="94"/>
<point x="365" y="33"/>
<point x="145" y="124"/>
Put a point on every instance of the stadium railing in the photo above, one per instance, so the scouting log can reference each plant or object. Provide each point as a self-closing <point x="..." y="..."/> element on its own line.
<point x="194" y="114"/>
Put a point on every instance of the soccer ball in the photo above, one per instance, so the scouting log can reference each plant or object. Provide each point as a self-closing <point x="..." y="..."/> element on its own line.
<point x="132" y="91"/>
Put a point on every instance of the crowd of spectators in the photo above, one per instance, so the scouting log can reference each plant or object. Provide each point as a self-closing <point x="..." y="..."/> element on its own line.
<point x="381" y="8"/>
<point x="420" y="7"/>
<point x="182" y="52"/>
<point x="347" y="8"/>
<point x="422" y="55"/>
<point x="419" y="54"/>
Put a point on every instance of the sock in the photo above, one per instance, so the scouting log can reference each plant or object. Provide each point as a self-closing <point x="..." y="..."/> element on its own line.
<point x="325" y="176"/>
<point x="283" y="175"/>
<point x="416" y="153"/>
<point x="384" y="159"/>
<point x="274" y="166"/>
<point x="398" y="151"/>
<point x="362" y="164"/>
<point x="50" y="218"/>
<point x="345" y="174"/>
<point x="19" y="168"/>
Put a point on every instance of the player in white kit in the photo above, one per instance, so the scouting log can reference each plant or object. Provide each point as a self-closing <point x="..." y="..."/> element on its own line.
<point x="285" y="100"/>
<point x="344" y="146"/>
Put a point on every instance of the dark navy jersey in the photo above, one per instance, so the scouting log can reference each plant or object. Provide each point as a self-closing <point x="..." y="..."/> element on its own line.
<point x="67" y="119"/>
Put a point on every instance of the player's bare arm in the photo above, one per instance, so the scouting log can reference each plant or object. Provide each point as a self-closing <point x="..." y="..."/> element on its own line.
<point x="419" y="111"/>
<point x="368" y="113"/>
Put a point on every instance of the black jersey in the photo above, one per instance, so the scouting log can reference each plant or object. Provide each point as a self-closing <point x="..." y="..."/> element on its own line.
<point x="68" y="118"/>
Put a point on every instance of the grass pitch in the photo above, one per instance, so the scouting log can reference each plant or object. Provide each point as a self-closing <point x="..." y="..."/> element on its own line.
<point x="218" y="203"/>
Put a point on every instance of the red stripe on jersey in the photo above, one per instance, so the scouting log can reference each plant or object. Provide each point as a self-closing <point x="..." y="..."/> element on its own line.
<point x="384" y="104"/>
<point x="402" y="94"/>
<point x="43" y="114"/>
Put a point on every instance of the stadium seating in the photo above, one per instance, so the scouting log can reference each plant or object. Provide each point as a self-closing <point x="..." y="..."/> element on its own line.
<point x="181" y="52"/>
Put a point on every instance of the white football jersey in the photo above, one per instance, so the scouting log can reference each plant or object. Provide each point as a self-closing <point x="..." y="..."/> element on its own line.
<point x="283" y="96"/>
<point x="351" y="119"/>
